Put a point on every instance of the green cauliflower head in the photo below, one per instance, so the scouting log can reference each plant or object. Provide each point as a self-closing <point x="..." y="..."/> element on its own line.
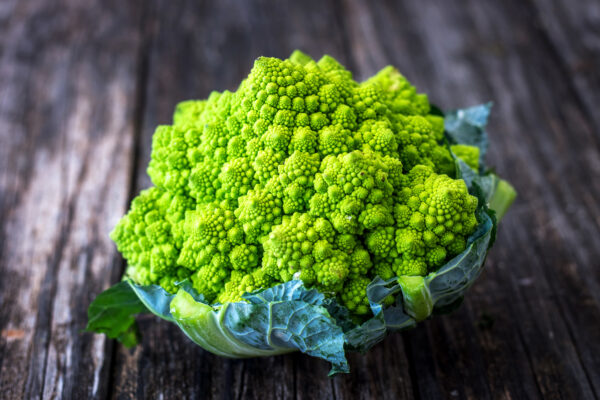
<point x="301" y="173"/>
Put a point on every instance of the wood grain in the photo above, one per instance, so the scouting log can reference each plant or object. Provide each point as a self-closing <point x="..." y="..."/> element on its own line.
<point x="68" y="80"/>
<point x="82" y="87"/>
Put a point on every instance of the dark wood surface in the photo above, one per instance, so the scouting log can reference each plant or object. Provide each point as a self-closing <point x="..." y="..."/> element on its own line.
<point x="84" y="83"/>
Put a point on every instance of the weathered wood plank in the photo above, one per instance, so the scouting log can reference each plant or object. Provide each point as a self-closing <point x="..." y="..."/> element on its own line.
<point x="573" y="30"/>
<point x="67" y="79"/>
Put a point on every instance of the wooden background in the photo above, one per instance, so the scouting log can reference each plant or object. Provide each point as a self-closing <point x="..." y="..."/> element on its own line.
<point x="84" y="83"/>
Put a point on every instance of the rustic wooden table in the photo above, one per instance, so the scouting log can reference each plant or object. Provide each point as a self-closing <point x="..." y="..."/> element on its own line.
<point x="83" y="84"/>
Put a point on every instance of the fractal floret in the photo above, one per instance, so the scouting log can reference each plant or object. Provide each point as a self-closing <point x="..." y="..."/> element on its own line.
<point x="307" y="195"/>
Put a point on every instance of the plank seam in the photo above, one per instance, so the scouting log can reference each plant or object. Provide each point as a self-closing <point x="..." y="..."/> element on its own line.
<point x="240" y="395"/>
<point x="142" y="70"/>
<point x="412" y="372"/>
<point x="530" y="360"/>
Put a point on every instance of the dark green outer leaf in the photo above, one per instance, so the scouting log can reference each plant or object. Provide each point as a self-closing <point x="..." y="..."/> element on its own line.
<point x="393" y="318"/>
<point x="374" y="330"/>
<point x="367" y="335"/>
<point x="156" y="299"/>
<point x="340" y="314"/>
<point x="113" y="313"/>
<point x="289" y="324"/>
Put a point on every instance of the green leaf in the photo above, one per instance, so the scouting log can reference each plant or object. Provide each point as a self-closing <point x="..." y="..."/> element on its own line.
<point x="156" y="299"/>
<point x="467" y="126"/>
<point x="203" y="325"/>
<point x="502" y="198"/>
<point x="281" y="319"/>
<point x="418" y="302"/>
<point x="388" y="319"/>
<point x="113" y="313"/>
<point x="367" y="335"/>
<point x="497" y="193"/>
<point x="340" y="314"/>
<point x="451" y="281"/>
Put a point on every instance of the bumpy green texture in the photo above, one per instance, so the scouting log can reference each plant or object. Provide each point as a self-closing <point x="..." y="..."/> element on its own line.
<point x="469" y="154"/>
<point x="301" y="173"/>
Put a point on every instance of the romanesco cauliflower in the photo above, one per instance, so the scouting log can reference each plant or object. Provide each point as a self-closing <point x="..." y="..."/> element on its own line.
<point x="301" y="173"/>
